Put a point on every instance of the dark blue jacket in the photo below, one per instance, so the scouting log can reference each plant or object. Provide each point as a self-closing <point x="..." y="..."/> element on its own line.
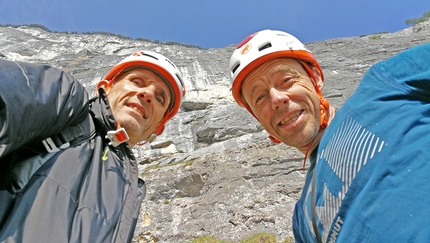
<point x="87" y="192"/>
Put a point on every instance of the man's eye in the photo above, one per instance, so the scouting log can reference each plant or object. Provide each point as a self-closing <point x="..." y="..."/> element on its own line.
<point x="160" y="100"/>
<point x="259" y="98"/>
<point x="137" y="82"/>
<point x="286" y="80"/>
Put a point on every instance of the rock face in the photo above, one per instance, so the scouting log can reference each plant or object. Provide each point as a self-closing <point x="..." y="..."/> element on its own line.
<point x="213" y="171"/>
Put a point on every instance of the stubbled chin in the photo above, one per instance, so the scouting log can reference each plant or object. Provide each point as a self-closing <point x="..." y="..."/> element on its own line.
<point x="131" y="123"/>
<point x="298" y="133"/>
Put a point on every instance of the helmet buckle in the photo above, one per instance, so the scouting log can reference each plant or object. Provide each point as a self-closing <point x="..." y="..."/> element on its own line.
<point x="117" y="137"/>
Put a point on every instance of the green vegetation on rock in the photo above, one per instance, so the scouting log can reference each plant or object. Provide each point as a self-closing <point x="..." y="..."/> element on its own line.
<point x="421" y="19"/>
<point x="256" y="238"/>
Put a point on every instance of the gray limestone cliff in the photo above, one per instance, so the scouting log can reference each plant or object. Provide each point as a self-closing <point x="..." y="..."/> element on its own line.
<point x="213" y="171"/>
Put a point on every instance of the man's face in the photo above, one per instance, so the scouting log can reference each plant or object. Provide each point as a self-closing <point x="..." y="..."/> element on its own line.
<point x="283" y="98"/>
<point x="139" y="99"/>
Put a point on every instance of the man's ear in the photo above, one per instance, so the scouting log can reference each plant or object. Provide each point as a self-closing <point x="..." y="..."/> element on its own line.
<point x="105" y="84"/>
<point x="318" y="77"/>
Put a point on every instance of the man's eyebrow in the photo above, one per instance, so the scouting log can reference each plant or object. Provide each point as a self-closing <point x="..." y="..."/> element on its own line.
<point x="284" y="68"/>
<point x="254" y="87"/>
<point x="275" y="70"/>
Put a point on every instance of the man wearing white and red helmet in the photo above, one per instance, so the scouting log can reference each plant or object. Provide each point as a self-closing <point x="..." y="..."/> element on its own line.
<point x="149" y="84"/>
<point x="68" y="173"/>
<point x="368" y="179"/>
<point x="257" y="54"/>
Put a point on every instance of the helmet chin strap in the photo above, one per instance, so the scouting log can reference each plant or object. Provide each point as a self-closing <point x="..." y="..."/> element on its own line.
<point x="149" y="140"/>
<point x="324" y="106"/>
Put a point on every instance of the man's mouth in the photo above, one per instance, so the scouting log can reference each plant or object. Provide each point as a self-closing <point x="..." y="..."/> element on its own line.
<point x="291" y="118"/>
<point x="137" y="109"/>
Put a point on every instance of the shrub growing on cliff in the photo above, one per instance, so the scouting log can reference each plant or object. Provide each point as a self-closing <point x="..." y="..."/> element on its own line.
<point x="415" y="21"/>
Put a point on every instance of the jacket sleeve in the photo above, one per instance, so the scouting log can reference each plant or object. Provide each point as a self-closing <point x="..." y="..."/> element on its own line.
<point x="36" y="102"/>
<point x="409" y="70"/>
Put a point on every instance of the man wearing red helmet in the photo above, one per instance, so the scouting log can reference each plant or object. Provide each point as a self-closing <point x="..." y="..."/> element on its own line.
<point x="368" y="178"/>
<point x="68" y="171"/>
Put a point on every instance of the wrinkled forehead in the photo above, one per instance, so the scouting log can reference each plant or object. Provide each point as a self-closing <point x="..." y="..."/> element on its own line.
<point x="127" y="71"/>
<point x="272" y="67"/>
<point x="284" y="64"/>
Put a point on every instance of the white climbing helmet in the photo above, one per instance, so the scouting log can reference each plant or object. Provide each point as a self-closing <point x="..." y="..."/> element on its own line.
<point x="260" y="47"/>
<point x="161" y="65"/>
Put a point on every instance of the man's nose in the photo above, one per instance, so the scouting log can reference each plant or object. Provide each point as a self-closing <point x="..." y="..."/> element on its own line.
<point x="146" y="94"/>
<point x="278" y="98"/>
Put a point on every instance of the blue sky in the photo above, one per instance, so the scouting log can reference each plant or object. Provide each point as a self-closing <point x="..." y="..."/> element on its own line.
<point x="210" y="23"/>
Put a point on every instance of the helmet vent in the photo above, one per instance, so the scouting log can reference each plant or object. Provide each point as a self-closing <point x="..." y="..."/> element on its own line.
<point x="268" y="45"/>
<point x="180" y="80"/>
<point x="171" y="63"/>
<point x="145" y="54"/>
<point x="235" y="68"/>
